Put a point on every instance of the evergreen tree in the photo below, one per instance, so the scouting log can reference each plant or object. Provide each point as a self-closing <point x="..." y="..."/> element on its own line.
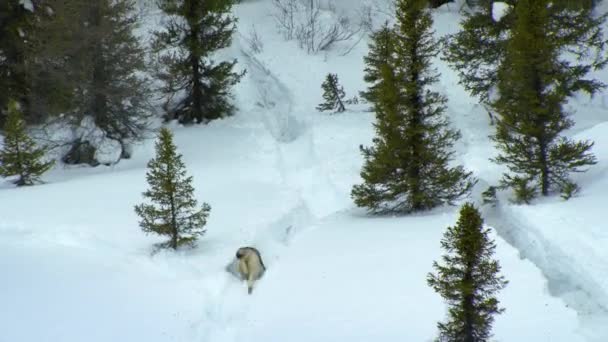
<point x="196" y="29"/>
<point x="407" y="167"/>
<point x="174" y="211"/>
<point x="532" y="87"/>
<point x="19" y="155"/>
<point x="380" y="55"/>
<point x="333" y="94"/>
<point x="92" y="44"/>
<point x="16" y="30"/>
<point x="468" y="279"/>
<point x="113" y="93"/>
<point x="477" y="51"/>
<point x="50" y="81"/>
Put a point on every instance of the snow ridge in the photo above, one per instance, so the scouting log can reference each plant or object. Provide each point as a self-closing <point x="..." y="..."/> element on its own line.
<point x="565" y="279"/>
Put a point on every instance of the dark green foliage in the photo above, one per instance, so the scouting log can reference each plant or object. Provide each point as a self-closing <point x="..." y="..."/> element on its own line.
<point x="569" y="189"/>
<point x="19" y="155"/>
<point x="85" y="63"/>
<point x="438" y="3"/>
<point x="489" y="196"/>
<point x="54" y="69"/>
<point x="333" y="94"/>
<point x="523" y="190"/>
<point x="533" y="86"/>
<point x="577" y="4"/>
<point x="380" y="55"/>
<point x="476" y="50"/>
<point x="567" y="4"/>
<point x="196" y="29"/>
<point x="174" y="211"/>
<point x="480" y="47"/>
<point x="17" y="26"/>
<point x="407" y="168"/>
<point x="468" y="279"/>
<point x="112" y="92"/>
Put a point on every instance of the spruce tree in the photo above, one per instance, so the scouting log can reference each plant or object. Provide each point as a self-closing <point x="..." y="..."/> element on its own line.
<point x="19" y="155"/>
<point x="174" y="211"/>
<point x="468" y="279"/>
<point x="333" y="94"/>
<point x="51" y="79"/>
<point x="194" y="30"/>
<point x="101" y="61"/>
<point x="16" y="30"/>
<point x="407" y="168"/>
<point x="532" y="88"/>
<point x="477" y="51"/>
<point x="114" y="93"/>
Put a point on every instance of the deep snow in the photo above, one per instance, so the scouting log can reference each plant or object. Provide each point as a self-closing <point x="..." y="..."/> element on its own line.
<point x="278" y="176"/>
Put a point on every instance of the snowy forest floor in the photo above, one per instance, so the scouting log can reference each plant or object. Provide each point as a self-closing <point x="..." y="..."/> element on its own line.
<point x="278" y="176"/>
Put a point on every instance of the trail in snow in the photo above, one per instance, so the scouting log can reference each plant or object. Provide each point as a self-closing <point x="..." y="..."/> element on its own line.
<point x="275" y="101"/>
<point x="565" y="277"/>
<point x="569" y="274"/>
<point x="295" y="160"/>
<point x="276" y="111"/>
<point x="278" y="176"/>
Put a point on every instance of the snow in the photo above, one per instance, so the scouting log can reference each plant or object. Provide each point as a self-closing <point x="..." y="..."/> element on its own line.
<point x="278" y="175"/>
<point x="499" y="10"/>
<point x="378" y="287"/>
<point x="568" y="239"/>
<point x="27" y="4"/>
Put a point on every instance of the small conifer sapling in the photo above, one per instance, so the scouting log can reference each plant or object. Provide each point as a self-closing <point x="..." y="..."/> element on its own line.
<point x="19" y="155"/>
<point x="174" y="211"/>
<point x="333" y="94"/>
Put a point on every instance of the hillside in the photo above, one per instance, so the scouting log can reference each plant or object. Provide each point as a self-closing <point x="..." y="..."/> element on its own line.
<point x="278" y="175"/>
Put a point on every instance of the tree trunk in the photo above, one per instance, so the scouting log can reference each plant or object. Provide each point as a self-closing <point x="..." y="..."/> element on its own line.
<point x="544" y="170"/>
<point x="196" y="110"/>
<point x="541" y="123"/>
<point x="174" y="230"/>
<point x="468" y="307"/>
<point x="99" y="105"/>
<point x="415" y="138"/>
<point x="341" y="107"/>
<point x="197" y="113"/>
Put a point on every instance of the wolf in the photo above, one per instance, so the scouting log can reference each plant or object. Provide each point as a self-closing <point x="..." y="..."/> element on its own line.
<point x="250" y="265"/>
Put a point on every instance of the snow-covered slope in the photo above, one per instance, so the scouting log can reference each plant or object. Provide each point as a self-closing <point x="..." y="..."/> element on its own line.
<point x="278" y="175"/>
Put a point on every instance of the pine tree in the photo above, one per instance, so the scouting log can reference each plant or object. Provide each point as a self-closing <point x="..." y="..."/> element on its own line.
<point x="196" y="29"/>
<point x="113" y="93"/>
<point x="101" y="61"/>
<point x="333" y="94"/>
<point x="19" y="155"/>
<point x="407" y="168"/>
<point x="174" y="211"/>
<point x="532" y="91"/>
<point x="468" y="279"/>
<point x="16" y="29"/>
<point x="51" y="68"/>
<point x="477" y="51"/>
<point x="380" y="55"/>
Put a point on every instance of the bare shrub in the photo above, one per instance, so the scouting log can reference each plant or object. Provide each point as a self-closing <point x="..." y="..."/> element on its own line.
<point x="254" y="41"/>
<point x="285" y="15"/>
<point x="314" y="29"/>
